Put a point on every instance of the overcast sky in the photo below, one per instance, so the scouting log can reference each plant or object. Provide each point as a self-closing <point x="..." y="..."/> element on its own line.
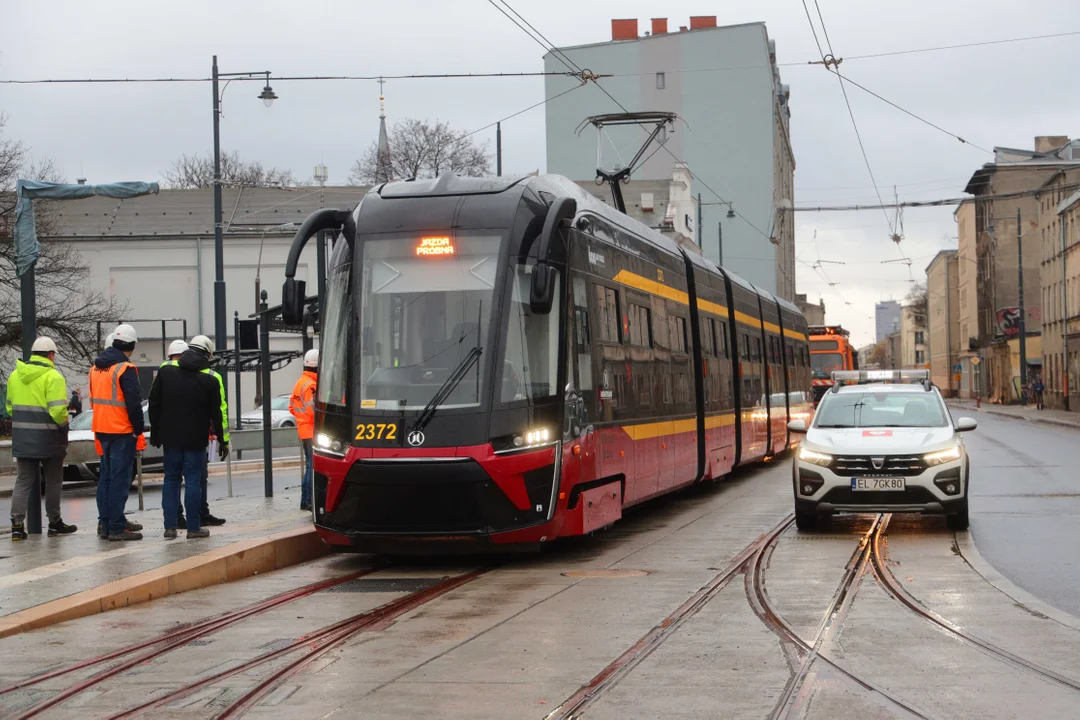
<point x="996" y="95"/>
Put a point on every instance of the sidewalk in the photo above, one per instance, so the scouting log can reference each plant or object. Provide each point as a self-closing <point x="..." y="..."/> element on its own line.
<point x="45" y="580"/>
<point x="1024" y="412"/>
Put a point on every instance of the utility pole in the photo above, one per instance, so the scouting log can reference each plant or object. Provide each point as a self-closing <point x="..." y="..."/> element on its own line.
<point x="498" y="148"/>
<point x="720" y="242"/>
<point x="1020" y="300"/>
<point x="698" y="233"/>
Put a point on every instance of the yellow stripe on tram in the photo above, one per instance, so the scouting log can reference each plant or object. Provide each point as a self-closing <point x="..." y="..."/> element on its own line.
<point x="665" y="428"/>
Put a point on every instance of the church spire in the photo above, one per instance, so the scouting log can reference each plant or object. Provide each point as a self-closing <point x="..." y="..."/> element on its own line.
<point x="383" y="171"/>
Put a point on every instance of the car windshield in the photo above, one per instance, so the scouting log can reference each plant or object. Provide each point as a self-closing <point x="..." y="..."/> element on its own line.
<point x="425" y="303"/>
<point x="825" y="363"/>
<point x="281" y="402"/>
<point x="880" y="409"/>
<point x="83" y="421"/>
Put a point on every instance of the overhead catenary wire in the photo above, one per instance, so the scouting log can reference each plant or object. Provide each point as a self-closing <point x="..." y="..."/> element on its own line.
<point x="286" y="78"/>
<point x="936" y="203"/>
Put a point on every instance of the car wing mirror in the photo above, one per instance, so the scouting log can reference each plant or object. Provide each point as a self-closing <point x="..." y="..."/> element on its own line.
<point x="966" y="424"/>
<point x="797" y="426"/>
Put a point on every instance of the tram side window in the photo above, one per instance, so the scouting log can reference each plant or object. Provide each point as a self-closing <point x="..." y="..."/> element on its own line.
<point x="744" y="346"/>
<point x="677" y="333"/>
<point x="640" y="330"/>
<point x="757" y="349"/>
<point x="607" y="305"/>
<point x="581" y="335"/>
<point x="721" y="339"/>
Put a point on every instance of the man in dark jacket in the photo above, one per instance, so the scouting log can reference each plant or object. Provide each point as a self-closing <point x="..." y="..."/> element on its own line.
<point x="116" y="399"/>
<point x="75" y="404"/>
<point x="185" y="406"/>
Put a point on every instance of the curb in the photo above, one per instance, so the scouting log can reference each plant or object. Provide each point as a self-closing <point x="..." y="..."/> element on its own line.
<point x="965" y="543"/>
<point x="232" y="562"/>
<point x="1043" y="420"/>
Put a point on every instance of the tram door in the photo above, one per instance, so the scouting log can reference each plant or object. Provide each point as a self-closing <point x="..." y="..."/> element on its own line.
<point x="579" y="391"/>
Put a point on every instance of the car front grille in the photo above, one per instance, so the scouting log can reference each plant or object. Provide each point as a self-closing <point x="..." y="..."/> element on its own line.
<point x="910" y="496"/>
<point x="868" y="465"/>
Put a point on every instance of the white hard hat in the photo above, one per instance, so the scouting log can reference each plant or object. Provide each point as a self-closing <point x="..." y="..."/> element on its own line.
<point x="311" y="359"/>
<point x="124" y="333"/>
<point x="177" y="347"/>
<point x="201" y="342"/>
<point x="43" y="344"/>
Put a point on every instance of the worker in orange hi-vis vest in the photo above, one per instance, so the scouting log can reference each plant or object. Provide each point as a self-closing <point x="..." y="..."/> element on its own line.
<point x="302" y="407"/>
<point x="116" y="399"/>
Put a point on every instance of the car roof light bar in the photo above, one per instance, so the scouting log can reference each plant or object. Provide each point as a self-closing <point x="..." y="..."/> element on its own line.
<point x="869" y="376"/>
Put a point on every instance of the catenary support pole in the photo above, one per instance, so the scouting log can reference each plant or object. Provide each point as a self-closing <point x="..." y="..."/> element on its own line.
<point x="699" y="233"/>
<point x="264" y="371"/>
<point x="498" y="149"/>
<point x="1064" y="318"/>
<point x="29" y="334"/>
<point x="720" y="243"/>
<point x="236" y="359"/>
<point x="1020" y="301"/>
<point x="220" y="332"/>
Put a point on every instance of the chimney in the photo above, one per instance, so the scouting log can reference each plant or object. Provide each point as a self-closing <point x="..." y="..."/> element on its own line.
<point x="81" y="181"/>
<point x="624" y="29"/>
<point x="1046" y="143"/>
<point x="682" y="28"/>
<point x="659" y="26"/>
<point x="699" y="22"/>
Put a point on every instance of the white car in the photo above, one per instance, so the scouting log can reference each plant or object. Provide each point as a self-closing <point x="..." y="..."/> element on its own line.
<point x="279" y="415"/>
<point x="881" y="447"/>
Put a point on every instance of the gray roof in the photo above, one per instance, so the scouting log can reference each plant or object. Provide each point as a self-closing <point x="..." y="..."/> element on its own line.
<point x="191" y="212"/>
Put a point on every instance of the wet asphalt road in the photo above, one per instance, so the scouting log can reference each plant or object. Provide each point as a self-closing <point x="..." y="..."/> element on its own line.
<point x="1025" y="504"/>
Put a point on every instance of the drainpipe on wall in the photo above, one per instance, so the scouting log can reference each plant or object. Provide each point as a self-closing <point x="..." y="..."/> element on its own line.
<point x="198" y="278"/>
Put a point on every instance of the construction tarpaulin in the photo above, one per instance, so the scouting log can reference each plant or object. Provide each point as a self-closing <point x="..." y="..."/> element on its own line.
<point x="27" y="247"/>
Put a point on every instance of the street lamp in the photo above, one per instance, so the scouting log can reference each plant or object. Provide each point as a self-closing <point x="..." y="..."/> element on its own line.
<point x="268" y="97"/>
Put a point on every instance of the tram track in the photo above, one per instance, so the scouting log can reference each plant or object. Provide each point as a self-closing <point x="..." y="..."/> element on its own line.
<point x="299" y="653"/>
<point x="166" y="642"/>
<point x="896" y="590"/>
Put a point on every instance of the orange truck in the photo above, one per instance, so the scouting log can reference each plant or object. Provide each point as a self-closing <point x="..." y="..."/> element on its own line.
<point x="830" y="349"/>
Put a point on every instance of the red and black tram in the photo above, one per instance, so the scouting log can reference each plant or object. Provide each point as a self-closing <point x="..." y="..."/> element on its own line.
<point x="506" y="361"/>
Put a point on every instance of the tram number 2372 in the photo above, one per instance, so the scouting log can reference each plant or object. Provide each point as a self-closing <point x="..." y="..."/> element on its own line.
<point x="376" y="431"/>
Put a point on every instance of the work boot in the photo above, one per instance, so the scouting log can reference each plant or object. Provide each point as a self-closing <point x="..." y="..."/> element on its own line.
<point x="306" y="507"/>
<point x="132" y="526"/>
<point x="198" y="534"/>
<point x="18" y="532"/>
<point x="124" y="536"/>
<point x="60" y="528"/>
<point x="102" y="531"/>
<point x="181" y="522"/>
<point x="170" y="533"/>
<point x="211" y="520"/>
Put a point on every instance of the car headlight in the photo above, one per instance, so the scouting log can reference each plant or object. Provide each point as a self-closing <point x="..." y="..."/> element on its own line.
<point x="814" y="457"/>
<point x="942" y="456"/>
<point x="328" y="444"/>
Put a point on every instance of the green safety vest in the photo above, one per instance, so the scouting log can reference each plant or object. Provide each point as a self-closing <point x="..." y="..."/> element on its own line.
<point x="37" y="402"/>
<point x="224" y="402"/>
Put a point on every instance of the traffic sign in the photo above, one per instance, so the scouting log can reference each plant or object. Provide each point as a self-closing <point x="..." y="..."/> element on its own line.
<point x="975" y="360"/>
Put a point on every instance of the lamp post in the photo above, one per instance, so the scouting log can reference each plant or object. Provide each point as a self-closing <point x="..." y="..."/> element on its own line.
<point x="268" y="97"/>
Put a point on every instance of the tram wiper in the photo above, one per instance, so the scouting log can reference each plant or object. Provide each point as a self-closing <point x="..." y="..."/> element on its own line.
<point x="447" y="387"/>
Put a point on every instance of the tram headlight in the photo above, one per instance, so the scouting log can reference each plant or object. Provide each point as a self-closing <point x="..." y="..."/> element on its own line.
<point x="814" y="457"/>
<point x="328" y="444"/>
<point x="539" y="436"/>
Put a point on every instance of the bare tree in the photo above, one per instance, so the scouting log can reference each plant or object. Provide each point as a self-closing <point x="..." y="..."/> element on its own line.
<point x="67" y="310"/>
<point x="420" y="149"/>
<point x="879" y="354"/>
<point x="197" y="171"/>
<point x="918" y="300"/>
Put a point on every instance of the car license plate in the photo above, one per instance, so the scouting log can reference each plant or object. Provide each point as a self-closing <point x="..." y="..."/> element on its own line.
<point x="892" y="484"/>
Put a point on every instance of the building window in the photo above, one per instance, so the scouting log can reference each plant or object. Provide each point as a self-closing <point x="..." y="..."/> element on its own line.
<point x="919" y="338"/>
<point x="661" y="81"/>
<point x="640" y="331"/>
<point x="920" y="357"/>
<point x="607" y="305"/>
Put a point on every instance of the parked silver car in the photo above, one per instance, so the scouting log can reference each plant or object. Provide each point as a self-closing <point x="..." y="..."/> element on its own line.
<point x="280" y="416"/>
<point x="80" y="429"/>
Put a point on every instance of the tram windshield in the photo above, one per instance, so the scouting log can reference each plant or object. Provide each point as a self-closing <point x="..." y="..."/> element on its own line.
<point x="425" y="305"/>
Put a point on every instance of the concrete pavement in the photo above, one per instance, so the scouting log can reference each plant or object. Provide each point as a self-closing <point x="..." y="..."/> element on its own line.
<point x="1023" y="412"/>
<point x="521" y="638"/>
